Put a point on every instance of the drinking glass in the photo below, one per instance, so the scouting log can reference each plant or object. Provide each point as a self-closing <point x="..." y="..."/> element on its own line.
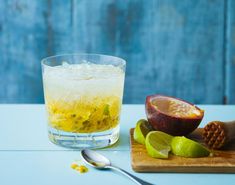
<point x="83" y="97"/>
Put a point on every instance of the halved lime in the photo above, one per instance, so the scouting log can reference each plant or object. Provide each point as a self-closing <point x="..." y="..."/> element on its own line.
<point x="158" y="144"/>
<point x="185" y="147"/>
<point x="141" y="130"/>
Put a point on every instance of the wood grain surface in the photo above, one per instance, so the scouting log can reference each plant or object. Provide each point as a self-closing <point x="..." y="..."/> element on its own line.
<point x="221" y="162"/>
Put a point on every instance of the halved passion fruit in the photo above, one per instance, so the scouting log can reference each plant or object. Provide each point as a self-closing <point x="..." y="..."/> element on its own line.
<point x="171" y="115"/>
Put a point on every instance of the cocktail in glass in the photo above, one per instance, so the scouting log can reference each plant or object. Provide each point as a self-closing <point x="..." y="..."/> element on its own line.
<point x="83" y="97"/>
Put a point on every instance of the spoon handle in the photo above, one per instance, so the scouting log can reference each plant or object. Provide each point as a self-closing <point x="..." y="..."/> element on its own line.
<point x="132" y="177"/>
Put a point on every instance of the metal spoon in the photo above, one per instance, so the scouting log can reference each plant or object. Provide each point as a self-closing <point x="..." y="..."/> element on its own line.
<point x="98" y="161"/>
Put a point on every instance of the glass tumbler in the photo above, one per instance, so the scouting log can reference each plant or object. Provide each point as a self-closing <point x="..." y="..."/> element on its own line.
<point x="83" y="97"/>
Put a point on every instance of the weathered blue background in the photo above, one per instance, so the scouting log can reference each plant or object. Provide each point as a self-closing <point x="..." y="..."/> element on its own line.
<point x="181" y="48"/>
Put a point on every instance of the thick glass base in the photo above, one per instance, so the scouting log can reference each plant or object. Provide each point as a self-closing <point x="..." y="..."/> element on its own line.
<point x="81" y="140"/>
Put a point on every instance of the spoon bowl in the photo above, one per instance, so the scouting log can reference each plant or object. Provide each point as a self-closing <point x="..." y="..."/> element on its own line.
<point x="95" y="159"/>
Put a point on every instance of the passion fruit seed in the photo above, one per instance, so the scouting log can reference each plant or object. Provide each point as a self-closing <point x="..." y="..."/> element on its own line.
<point x="82" y="169"/>
<point x="74" y="166"/>
<point x="79" y="168"/>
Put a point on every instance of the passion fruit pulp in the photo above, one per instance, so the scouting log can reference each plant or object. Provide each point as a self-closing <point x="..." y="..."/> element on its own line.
<point x="172" y="115"/>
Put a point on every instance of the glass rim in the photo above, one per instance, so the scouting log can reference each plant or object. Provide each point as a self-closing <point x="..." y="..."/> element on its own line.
<point x="43" y="61"/>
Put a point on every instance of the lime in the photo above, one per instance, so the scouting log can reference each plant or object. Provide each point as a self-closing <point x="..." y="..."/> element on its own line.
<point x="158" y="144"/>
<point x="185" y="147"/>
<point x="141" y="130"/>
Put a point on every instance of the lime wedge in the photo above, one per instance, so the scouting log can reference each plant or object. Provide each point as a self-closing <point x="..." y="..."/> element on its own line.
<point x="185" y="147"/>
<point x="141" y="130"/>
<point x="158" y="144"/>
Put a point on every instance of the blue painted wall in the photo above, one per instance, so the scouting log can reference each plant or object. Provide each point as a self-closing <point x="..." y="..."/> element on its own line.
<point x="181" y="48"/>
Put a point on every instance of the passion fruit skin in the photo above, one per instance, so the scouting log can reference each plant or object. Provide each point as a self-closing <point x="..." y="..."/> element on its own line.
<point x="176" y="126"/>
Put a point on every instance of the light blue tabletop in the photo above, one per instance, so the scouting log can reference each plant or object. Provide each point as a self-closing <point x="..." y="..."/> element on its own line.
<point x="27" y="156"/>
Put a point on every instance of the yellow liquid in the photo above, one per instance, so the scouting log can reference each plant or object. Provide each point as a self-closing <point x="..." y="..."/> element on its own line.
<point x="85" y="115"/>
<point x="83" y="98"/>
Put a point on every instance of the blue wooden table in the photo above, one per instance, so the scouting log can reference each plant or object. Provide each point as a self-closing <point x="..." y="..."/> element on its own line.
<point x="27" y="156"/>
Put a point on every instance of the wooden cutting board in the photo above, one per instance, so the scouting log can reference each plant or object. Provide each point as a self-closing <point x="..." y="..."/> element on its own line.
<point x="221" y="162"/>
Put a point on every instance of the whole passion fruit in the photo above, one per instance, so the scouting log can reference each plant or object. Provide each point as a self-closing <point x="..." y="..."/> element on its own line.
<point x="172" y="115"/>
